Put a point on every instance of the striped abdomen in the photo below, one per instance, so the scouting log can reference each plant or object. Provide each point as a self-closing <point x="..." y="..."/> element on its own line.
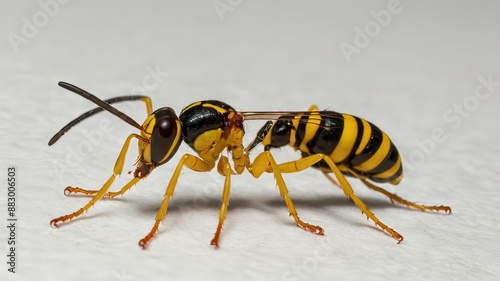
<point x="351" y="142"/>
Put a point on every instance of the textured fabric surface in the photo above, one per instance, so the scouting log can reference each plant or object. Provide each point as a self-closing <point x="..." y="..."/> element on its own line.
<point x="425" y="73"/>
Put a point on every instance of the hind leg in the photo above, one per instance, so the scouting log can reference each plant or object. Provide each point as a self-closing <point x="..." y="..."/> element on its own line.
<point x="309" y="161"/>
<point x="393" y="197"/>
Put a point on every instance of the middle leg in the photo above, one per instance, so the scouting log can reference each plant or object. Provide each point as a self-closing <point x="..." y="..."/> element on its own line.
<point x="260" y="165"/>
<point x="225" y="168"/>
<point x="393" y="197"/>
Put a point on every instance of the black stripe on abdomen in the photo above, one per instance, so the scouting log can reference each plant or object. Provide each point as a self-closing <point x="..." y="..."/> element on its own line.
<point x="328" y="134"/>
<point x="370" y="148"/>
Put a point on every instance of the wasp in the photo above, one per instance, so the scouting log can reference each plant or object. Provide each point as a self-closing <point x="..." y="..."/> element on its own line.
<point x="213" y="128"/>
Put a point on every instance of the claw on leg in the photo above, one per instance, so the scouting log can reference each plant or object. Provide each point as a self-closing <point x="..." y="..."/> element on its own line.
<point x="144" y="241"/>
<point x="215" y="240"/>
<point x="312" y="228"/>
<point x="74" y="190"/>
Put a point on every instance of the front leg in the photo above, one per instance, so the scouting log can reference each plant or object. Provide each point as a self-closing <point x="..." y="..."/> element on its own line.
<point x="190" y="161"/>
<point x="104" y="189"/>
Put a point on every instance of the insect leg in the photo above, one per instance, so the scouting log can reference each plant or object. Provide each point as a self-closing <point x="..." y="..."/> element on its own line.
<point x="70" y="190"/>
<point x="221" y="166"/>
<point x="306" y="162"/>
<point x="190" y="161"/>
<point x="259" y="166"/>
<point x="110" y="194"/>
<point x="331" y="179"/>
<point x="226" y="168"/>
<point x="393" y="197"/>
<point x="116" y="171"/>
<point x="149" y="104"/>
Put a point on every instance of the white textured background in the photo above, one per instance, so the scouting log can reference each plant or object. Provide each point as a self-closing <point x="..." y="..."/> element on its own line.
<point x="411" y="78"/>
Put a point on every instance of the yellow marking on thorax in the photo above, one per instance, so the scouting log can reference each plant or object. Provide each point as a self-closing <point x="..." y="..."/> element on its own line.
<point x="218" y="108"/>
<point x="211" y="153"/>
<point x="191" y="106"/>
<point x="206" y="139"/>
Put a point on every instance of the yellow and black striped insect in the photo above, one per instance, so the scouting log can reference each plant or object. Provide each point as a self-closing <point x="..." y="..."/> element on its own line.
<point x="212" y="128"/>
<point x="340" y="143"/>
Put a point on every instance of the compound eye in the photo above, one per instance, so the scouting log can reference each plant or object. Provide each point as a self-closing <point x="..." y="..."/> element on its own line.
<point x="166" y="127"/>
<point x="165" y="138"/>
